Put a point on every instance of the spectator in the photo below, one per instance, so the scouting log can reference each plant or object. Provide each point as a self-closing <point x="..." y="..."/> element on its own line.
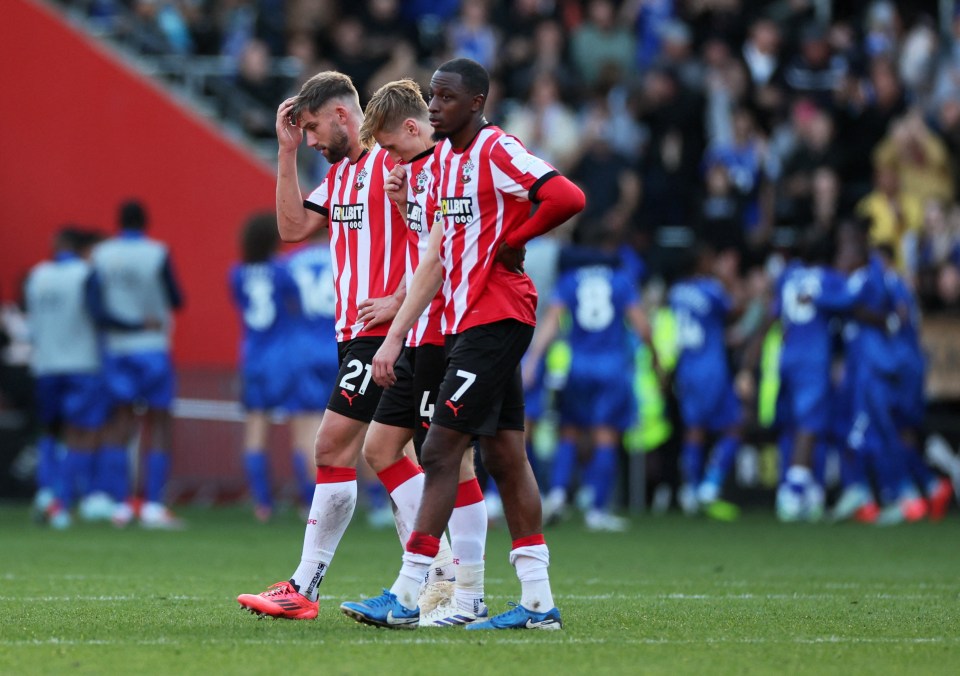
<point x="601" y="42"/>
<point x="892" y="213"/>
<point x="472" y="36"/>
<point x="920" y="159"/>
<point x="260" y="90"/>
<point x="671" y="164"/>
<point x="549" y="45"/>
<point x="864" y="112"/>
<point x="814" y="150"/>
<point x="815" y="72"/>
<point x="547" y="125"/>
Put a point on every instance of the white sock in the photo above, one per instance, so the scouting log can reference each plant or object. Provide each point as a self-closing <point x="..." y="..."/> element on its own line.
<point x="468" y="591"/>
<point x="412" y="574"/>
<point x="406" y="498"/>
<point x="468" y="525"/>
<point x="799" y="475"/>
<point x="531" y="563"/>
<point x="442" y="568"/>
<point x="334" y="500"/>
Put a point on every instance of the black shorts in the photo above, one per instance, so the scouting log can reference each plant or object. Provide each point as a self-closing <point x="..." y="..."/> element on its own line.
<point x="409" y="402"/>
<point x="482" y="391"/>
<point x="355" y="393"/>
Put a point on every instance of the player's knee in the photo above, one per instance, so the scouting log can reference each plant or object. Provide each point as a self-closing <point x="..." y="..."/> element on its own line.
<point x="436" y="458"/>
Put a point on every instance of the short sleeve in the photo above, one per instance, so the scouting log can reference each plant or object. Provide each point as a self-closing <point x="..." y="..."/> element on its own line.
<point x="319" y="199"/>
<point x="515" y="171"/>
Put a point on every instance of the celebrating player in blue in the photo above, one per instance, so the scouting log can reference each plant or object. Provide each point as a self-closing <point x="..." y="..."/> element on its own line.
<point x="703" y="384"/>
<point x="597" y="397"/>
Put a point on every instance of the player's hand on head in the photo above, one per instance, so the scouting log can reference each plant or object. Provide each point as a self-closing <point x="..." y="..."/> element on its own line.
<point x="289" y="134"/>
<point x="384" y="360"/>
<point x="395" y="185"/>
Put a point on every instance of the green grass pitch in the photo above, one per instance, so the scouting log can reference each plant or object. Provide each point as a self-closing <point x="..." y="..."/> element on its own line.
<point x="672" y="596"/>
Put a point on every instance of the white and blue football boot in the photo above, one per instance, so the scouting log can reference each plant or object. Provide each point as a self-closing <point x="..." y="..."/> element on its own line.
<point x="382" y="611"/>
<point x="519" y="617"/>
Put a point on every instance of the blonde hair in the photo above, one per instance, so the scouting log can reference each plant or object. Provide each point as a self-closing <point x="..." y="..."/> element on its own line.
<point x="389" y="106"/>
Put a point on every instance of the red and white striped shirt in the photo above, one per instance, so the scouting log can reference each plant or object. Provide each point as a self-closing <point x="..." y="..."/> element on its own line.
<point x="420" y="180"/>
<point x="367" y="237"/>
<point x="482" y="194"/>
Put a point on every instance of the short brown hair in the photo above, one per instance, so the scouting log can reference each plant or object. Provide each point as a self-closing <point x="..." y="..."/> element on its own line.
<point x="321" y="88"/>
<point x="389" y="106"/>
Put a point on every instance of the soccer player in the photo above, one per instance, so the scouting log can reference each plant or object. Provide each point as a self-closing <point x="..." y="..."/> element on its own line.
<point x="268" y="300"/>
<point x="871" y="367"/>
<point x="597" y="398"/>
<point x="910" y="403"/>
<point x="397" y="118"/>
<point x="485" y="183"/>
<point x="703" y="383"/>
<point x="804" y="397"/>
<point x="368" y="246"/>
<point x="66" y="361"/>
<point x="138" y="286"/>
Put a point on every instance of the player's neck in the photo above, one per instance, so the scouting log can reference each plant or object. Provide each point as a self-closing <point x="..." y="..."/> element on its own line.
<point x="463" y="138"/>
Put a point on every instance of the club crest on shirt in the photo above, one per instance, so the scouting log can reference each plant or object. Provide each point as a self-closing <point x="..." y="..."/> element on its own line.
<point x="361" y="177"/>
<point x="420" y="182"/>
<point x="465" y="171"/>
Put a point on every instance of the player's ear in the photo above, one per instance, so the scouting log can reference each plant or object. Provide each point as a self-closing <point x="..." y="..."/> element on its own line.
<point x="411" y="126"/>
<point x="478" y="102"/>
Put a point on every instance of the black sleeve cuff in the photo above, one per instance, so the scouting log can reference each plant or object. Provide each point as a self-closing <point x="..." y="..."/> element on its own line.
<point x="540" y="181"/>
<point x="323" y="211"/>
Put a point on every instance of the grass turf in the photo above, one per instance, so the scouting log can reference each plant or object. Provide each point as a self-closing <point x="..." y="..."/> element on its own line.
<point x="671" y="596"/>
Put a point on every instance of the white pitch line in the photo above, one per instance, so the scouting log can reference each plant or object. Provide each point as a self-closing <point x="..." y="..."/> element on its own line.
<point x="551" y="639"/>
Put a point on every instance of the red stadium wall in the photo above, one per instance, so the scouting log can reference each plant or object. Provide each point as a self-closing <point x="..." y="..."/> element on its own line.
<point x="80" y="131"/>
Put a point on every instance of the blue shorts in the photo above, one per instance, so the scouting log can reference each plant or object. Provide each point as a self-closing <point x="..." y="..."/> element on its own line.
<point x="269" y="380"/>
<point x="145" y="377"/>
<point x="708" y="401"/>
<point x="594" y="399"/>
<point x="803" y="401"/>
<point x="78" y="400"/>
<point x="315" y="379"/>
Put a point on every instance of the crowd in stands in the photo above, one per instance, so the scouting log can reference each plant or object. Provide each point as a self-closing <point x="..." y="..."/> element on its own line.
<point x="750" y="122"/>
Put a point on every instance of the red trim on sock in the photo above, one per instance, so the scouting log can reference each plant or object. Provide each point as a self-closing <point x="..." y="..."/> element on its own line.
<point x="423" y="543"/>
<point x="529" y="541"/>
<point x="468" y="493"/>
<point x="335" y="475"/>
<point x="399" y="473"/>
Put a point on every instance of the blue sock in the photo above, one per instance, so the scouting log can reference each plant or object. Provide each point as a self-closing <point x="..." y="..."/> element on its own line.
<point x="691" y="463"/>
<point x="258" y="477"/>
<point x="76" y="479"/>
<point x="890" y="468"/>
<point x="158" y="469"/>
<point x="47" y="462"/>
<point x="601" y="474"/>
<point x="721" y="460"/>
<point x="852" y="470"/>
<point x="920" y="472"/>
<point x="306" y="481"/>
<point x="820" y="451"/>
<point x="785" y="446"/>
<point x="564" y="458"/>
<point x="113" y="472"/>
